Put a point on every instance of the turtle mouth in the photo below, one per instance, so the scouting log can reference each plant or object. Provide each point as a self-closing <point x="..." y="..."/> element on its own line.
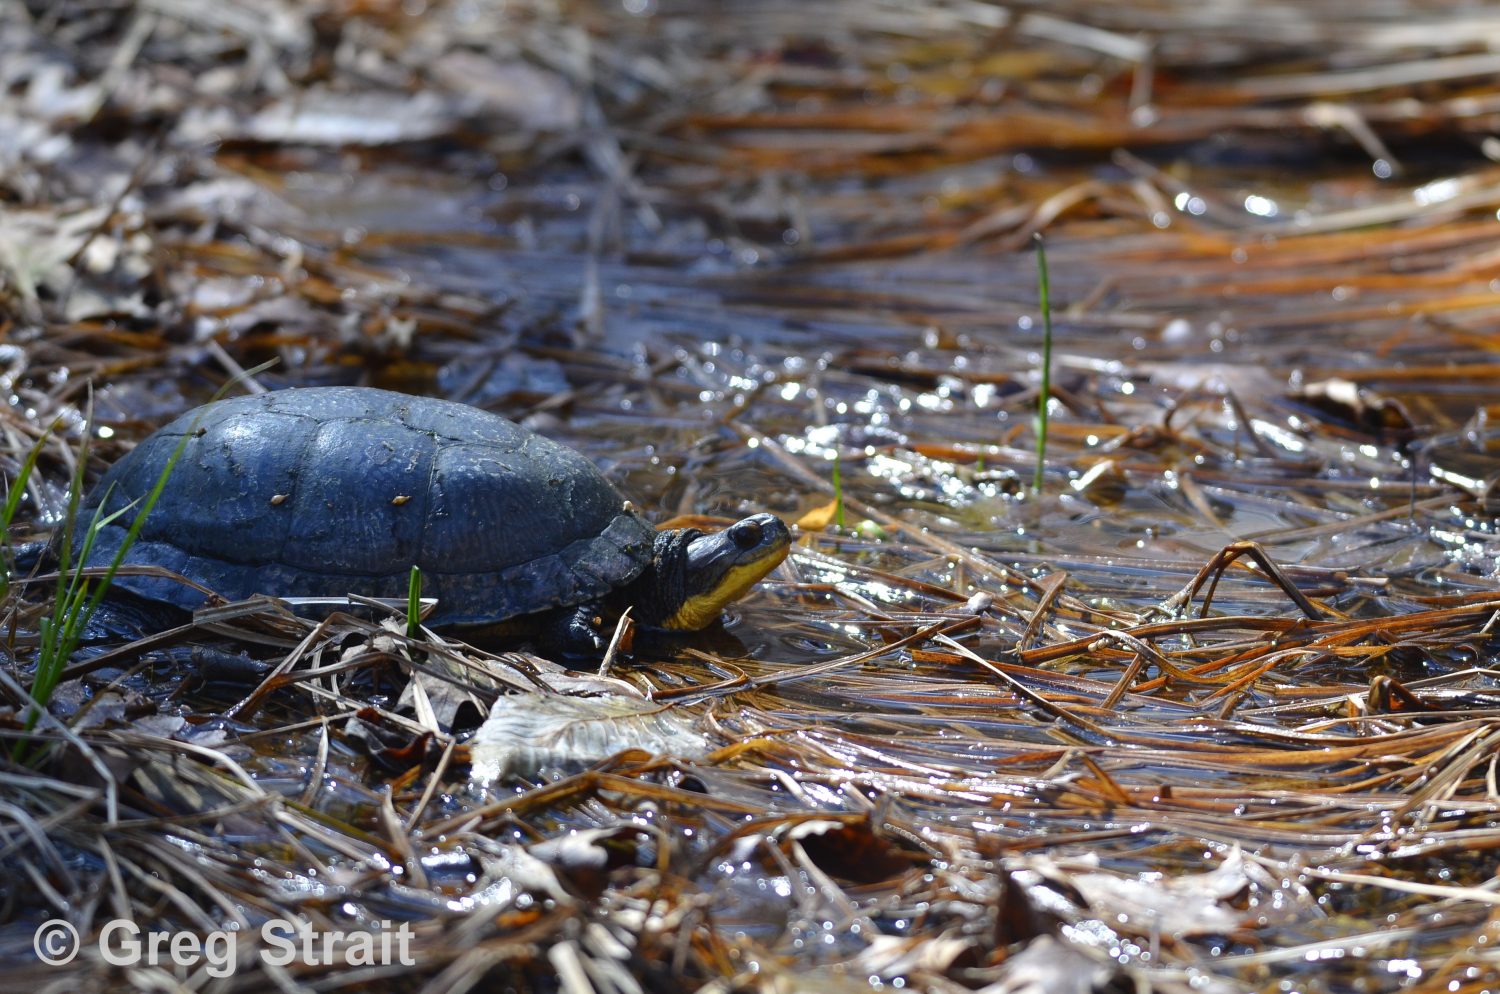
<point x="722" y="567"/>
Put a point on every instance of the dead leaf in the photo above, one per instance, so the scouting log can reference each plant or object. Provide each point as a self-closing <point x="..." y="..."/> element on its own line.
<point x="819" y="517"/>
<point x="530" y="731"/>
<point x="532" y="97"/>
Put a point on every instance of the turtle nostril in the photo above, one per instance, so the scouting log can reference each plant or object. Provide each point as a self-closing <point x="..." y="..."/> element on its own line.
<point x="746" y="534"/>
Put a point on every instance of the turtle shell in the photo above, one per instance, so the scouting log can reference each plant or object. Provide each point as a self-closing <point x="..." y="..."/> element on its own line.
<point x="324" y="491"/>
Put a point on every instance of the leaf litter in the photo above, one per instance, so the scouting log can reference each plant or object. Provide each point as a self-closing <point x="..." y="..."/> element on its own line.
<point x="1215" y="711"/>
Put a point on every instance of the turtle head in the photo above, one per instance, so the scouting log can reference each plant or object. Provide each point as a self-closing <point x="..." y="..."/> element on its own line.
<point x="694" y="576"/>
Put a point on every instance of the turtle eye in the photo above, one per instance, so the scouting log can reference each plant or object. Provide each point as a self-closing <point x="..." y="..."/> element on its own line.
<point x="745" y="534"/>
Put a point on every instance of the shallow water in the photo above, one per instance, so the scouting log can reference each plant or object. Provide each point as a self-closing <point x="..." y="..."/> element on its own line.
<point x="966" y="680"/>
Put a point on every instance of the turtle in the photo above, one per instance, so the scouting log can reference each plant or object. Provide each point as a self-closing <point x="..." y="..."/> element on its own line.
<point x="323" y="491"/>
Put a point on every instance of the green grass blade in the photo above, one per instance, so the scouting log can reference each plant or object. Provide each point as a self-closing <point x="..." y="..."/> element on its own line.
<point x="414" y="603"/>
<point x="18" y="489"/>
<point x="838" y="491"/>
<point x="13" y="503"/>
<point x="1044" y="397"/>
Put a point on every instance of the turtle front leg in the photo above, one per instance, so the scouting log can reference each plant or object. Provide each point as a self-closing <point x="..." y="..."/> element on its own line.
<point x="573" y="633"/>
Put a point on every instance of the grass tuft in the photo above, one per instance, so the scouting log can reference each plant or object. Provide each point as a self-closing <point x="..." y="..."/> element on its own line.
<point x="78" y="594"/>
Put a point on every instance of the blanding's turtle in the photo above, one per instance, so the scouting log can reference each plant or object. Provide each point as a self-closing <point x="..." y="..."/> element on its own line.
<point x="322" y="491"/>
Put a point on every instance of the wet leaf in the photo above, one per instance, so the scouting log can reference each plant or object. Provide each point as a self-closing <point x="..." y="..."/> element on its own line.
<point x="1050" y="966"/>
<point x="526" y="732"/>
<point x="819" y="517"/>
<point x="527" y="95"/>
<point x="853" y="852"/>
<point x="1152" y="904"/>
<point x="323" y="117"/>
